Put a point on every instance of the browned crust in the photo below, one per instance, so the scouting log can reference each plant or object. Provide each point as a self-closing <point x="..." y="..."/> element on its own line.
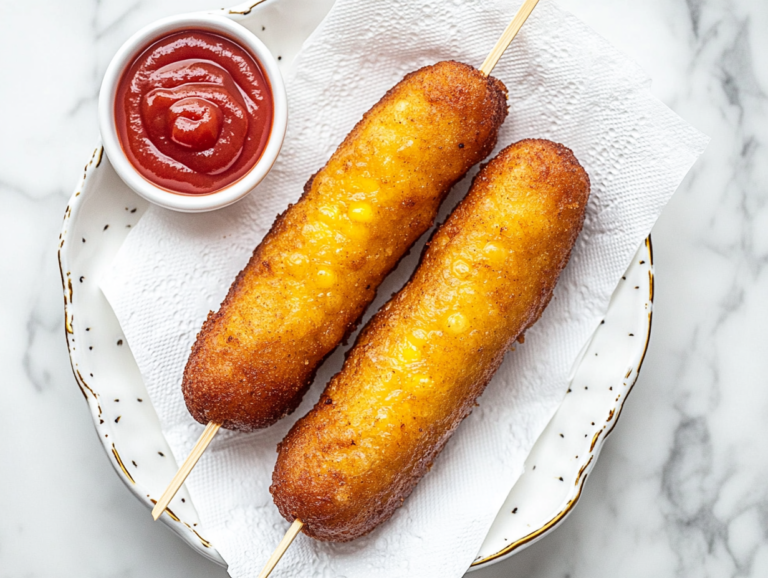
<point x="318" y="477"/>
<point x="246" y="384"/>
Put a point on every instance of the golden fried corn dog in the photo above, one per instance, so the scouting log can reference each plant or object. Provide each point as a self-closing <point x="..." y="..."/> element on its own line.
<point x="422" y="361"/>
<point x="309" y="281"/>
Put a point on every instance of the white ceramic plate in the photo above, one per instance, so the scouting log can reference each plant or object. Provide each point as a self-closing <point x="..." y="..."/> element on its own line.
<point x="99" y="216"/>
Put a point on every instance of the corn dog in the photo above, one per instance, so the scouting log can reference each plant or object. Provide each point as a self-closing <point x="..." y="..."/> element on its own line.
<point x="309" y="281"/>
<point x="420" y="364"/>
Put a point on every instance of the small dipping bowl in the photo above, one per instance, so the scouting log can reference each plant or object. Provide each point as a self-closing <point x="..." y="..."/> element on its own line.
<point x="122" y="61"/>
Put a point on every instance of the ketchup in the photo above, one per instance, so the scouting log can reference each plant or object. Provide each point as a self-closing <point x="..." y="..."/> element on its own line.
<point x="193" y="112"/>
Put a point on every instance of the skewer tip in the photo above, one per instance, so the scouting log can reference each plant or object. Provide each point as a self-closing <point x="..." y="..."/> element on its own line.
<point x="507" y="36"/>
<point x="289" y="537"/>
<point x="205" y="439"/>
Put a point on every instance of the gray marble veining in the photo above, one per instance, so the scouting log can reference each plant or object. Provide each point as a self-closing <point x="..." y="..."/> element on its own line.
<point x="680" y="489"/>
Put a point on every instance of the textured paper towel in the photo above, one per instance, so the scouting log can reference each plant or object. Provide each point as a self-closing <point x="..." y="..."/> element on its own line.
<point x="565" y="83"/>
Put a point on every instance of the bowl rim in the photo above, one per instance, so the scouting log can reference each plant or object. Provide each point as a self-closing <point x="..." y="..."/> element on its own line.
<point x="124" y="57"/>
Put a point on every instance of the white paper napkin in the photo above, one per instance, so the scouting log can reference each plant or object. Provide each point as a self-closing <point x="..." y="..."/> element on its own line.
<point x="566" y="84"/>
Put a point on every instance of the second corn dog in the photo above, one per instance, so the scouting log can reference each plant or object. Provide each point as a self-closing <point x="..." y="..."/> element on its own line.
<point x="318" y="268"/>
<point x="420" y="364"/>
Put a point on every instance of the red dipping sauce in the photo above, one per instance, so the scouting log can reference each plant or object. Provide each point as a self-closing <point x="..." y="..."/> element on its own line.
<point x="193" y="112"/>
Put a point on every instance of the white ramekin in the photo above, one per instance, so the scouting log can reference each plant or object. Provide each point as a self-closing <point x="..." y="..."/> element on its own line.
<point x="123" y="59"/>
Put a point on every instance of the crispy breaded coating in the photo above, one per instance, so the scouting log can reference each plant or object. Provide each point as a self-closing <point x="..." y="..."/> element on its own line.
<point x="309" y="281"/>
<point x="420" y="364"/>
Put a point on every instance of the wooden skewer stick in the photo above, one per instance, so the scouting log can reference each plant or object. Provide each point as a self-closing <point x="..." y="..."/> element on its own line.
<point x="508" y="35"/>
<point x="501" y="45"/>
<point x="207" y="436"/>
<point x="289" y="537"/>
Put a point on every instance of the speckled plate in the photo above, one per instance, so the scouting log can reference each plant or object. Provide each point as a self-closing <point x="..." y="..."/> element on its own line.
<point x="99" y="216"/>
<point x="567" y="450"/>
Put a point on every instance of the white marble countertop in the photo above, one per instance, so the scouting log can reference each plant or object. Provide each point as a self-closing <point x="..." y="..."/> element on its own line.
<point x="680" y="487"/>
